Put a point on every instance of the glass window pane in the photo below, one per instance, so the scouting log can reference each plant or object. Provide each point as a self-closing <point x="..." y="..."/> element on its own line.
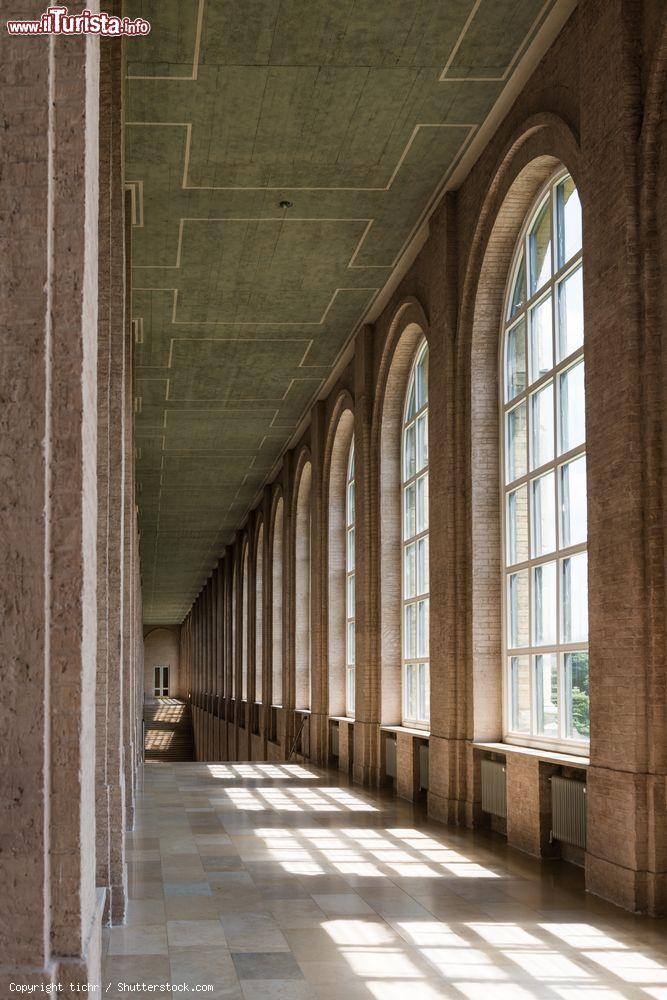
<point x="350" y="503"/>
<point x="350" y="693"/>
<point x="544" y="604"/>
<point x="516" y="442"/>
<point x="350" y="547"/>
<point x="568" y="213"/>
<point x="546" y="693"/>
<point x="350" y="596"/>
<point x="515" y="360"/>
<point x="409" y="452"/>
<point x="422" y="379"/>
<point x="409" y="511"/>
<point x="518" y="609"/>
<point x="409" y="578"/>
<point x="422" y="566"/>
<point x="539" y="248"/>
<point x="422" y="628"/>
<point x="570" y="314"/>
<point x="411" y="691"/>
<point x="351" y="635"/>
<point x="518" y="296"/>
<point x="574" y="598"/>
<point x="517" y="526"/>
<point x="544" y="515"/>
<point x="542" y="426"/>
<point x="572" y="408"/>
<point x="424" y="693"/>
<point x="411" y="408"/>
<point x="577" y="719"/>
<point x="422" y="442"/>
<point x="422" y="503"/>
<point x="409" y="631"/>
<point x="573" y="504"/>
<point x="519" y="694"/>
<point x="541" y="339"/>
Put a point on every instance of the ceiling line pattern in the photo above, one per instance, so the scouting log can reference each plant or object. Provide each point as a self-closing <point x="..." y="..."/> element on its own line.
<point x="280" y="158"/>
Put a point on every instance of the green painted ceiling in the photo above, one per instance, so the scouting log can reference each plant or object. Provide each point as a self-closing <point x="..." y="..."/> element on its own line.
<point x="354" y="110"/>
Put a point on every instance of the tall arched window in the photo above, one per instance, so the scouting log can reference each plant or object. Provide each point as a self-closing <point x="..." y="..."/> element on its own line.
<point x="277" y="607"/>
<point x="544" y="478"/>
<point x="259" y="612"/>
<point x="235" y="631"/>
<point x="416" y="682"/>
<point x="350" y="627"/>
<point x="244" y="626"/>
<point x="302" y="571"/>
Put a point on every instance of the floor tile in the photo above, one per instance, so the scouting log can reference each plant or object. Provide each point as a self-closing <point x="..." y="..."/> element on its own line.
<point x="266" y="965"/>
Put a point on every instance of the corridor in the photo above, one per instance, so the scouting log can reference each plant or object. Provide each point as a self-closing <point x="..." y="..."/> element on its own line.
<point x="266" y="881"/>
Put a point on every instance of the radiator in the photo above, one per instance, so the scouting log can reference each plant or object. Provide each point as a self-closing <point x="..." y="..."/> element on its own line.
<point x="568" y="811"/>
<point x="390" y="756"/>
<point x="494" y="788"/>
<point x="334" y="739"/>
<point x="423" y="766"/>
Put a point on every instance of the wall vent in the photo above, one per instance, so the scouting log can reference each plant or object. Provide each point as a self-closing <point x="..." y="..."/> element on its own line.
<point x="494" y="788"/>
<point x="568" y="811"/>
<point x="390" y="756"/>
<point x="423" y="766"/>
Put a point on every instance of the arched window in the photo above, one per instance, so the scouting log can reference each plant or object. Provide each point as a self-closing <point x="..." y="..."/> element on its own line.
<point x="349" y="587"/>
<point x="277" y="607"/>
<point x="259" y="611"/>
<point x="416" y="682"/>
<point x="302" y="587"/>
<point x="244" y="626"/>
<point x="544" y="478"/>
<point x="235" y="631"/>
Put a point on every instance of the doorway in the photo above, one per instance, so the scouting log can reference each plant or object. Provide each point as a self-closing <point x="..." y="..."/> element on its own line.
<point x="162" y="682"/>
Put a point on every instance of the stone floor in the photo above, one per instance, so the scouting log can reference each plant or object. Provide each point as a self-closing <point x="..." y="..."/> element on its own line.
<point x="281" y="881"/>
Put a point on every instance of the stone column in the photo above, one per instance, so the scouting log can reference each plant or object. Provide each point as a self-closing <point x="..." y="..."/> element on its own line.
<point x="50" y="913"/>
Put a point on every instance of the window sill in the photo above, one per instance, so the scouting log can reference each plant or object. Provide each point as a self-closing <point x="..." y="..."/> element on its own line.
<point x="342" y="718"/>
<point x="422" y="733"/>
<point x="549" y="756"/>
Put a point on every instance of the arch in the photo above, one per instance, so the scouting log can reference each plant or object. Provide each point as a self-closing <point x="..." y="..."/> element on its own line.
<point x="339" y="441"/>
<point x="302" y="521"/>
<point x="277" y="523"/>
<point x="162" y="648"/>
<point x="259" y="613"/>
<point x="408" y="327"/>
<point x="245" y="583"/>
<point x="235" y="629"/>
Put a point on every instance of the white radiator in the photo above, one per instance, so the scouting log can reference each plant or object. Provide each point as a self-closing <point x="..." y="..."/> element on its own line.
<point x="334" y="739"/>
<point x="390" y="756"/>
<point x="423" y="766"/>
<point x="568" y="811"/>
<point x="494" y="788"/>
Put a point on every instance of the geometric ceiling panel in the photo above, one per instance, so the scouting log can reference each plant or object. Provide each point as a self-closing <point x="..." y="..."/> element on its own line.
<point x="354" y="112"/>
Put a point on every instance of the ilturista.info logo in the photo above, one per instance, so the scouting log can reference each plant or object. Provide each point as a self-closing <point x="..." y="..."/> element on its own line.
<point x="59" y="21"/>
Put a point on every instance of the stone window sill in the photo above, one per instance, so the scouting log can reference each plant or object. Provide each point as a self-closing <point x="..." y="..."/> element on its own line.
<point x="342" y="718"/>
<point x="549" y="756"/>
<point x="423" y="734"/>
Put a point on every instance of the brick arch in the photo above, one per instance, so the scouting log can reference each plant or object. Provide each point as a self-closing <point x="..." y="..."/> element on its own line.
<point x="408" y="327"/>
<point x="301" y="552"/>
<point x="544" y="144"/>
<point x="340" y="434"/>
<point x="277" y="598"/>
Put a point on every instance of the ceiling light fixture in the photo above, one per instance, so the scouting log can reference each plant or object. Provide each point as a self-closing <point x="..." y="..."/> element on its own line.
<point x="285" y="203"/>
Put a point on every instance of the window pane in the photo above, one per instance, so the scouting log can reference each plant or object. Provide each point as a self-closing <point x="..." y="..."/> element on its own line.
<point x="573" y="504"/>
<point x="351" y="635"/>
<point x="577" y="720"/>
<point x="517" y="526"/>
<point x="539" y="248"/>
<point x="546" y="693"/>
<point x="542" y="426"/>
<point x="409" y="452"/>
<point x="411" y="691"/>
<point x="541" y="339"/>
<point x="350" y="693"/>
<point x="519" y="694"/>
<point x="544" y="514"/>
<point x="411" y="409"/>
<point x="516" y="442"/>
<point x="409" y="511"/>
<point x="422" y="442"/>
<point x="422" y="380"/>
<point x="518" y="296"/>
<point x="424" y="693"/>
<point x="515" y="360"/>
<point x="409" y="631"/>
<point x="422" y="503"/>
<point x="572" y="408"/>
<point x="350" y="547"/>
<point x="544" y="604"/>
<point x="422" y="628"/>
<point x="568" y="212"/>
<point x="574" y="598"/>
<point x="570" y="314"/>
<point x="350" y="596"/>
<point x="422" y="566"/>
<point x="350" y="503"/>
<point x="409" y="577"/>
<point x="518" y="609"/>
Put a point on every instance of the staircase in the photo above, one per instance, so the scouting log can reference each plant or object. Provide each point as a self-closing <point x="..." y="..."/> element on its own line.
<point x="168" y="730"/>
